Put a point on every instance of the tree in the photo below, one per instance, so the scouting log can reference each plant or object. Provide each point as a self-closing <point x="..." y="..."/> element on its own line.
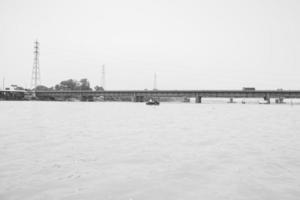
<point x="42" y="88"/>
<point x="69" y="84"/>
<point x="85" y="84"/>
<point x="72" y="84"/>
<point x="98" y="88"/>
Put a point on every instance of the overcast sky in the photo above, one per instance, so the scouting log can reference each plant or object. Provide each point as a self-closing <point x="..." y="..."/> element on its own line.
<point x="190" y="44"/>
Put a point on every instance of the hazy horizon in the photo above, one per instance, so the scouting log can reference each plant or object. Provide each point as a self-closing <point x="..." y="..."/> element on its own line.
<point x="188" y="44"/>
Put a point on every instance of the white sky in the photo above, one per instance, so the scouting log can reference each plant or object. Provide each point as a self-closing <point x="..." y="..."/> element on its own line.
<point x="190" y="44"/>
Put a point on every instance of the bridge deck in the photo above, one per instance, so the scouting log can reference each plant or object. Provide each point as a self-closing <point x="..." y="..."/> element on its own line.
<point x="177" y="93"/>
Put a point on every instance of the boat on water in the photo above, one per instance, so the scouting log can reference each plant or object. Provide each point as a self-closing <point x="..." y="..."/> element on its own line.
<point x="152" y="102"/>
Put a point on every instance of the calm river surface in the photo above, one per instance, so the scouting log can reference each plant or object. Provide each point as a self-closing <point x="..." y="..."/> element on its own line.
<point x="129" y="151"/>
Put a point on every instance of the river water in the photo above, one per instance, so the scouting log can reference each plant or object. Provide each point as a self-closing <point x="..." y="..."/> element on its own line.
<point x="97" y="150"/>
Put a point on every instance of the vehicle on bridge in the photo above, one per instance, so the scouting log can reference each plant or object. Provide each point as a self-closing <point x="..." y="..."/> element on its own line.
<point x="248" y="89"/>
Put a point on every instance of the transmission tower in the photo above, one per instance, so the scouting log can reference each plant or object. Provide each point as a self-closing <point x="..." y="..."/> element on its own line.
<point x="103" y="77"/>
<point x="36" y="76"/>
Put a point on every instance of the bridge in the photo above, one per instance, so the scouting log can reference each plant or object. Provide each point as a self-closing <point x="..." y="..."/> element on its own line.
<point x="143" y="95"/>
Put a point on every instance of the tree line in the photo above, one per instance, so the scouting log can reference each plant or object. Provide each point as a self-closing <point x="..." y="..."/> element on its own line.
<point x="71" y="84"/>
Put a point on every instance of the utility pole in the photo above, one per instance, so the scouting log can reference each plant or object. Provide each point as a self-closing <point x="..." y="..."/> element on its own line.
<point x="103" y="77"/>
<point x="3" y="83"/>
<point x="36" y="76"/>
<point x="155" y="82"/>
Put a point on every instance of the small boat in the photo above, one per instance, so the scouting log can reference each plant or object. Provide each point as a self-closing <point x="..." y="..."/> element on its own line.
<point x="152" y="103"/>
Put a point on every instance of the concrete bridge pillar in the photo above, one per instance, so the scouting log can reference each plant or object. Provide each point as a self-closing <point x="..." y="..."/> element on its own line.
<point x="133" y="98"/>
<point x="83" y="98"/>
<point x="198" y="99"/>
<point x="138" y="99"/>
<point x="267" y="99"/>
<point x="279" y="100"/>
<point x="186" y="99"/>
